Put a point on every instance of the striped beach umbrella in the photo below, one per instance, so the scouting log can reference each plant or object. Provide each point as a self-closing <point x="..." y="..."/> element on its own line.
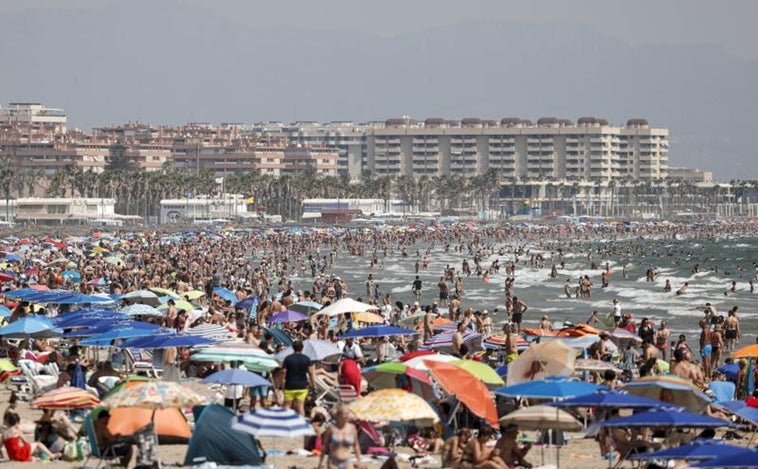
<point x="139" y="309"/>
<point x="211" y="331"/>
<point x="272" y="422"/>
<point x="66" y="398"/>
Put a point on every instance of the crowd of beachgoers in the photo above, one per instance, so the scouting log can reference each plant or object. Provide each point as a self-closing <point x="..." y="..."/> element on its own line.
<point x="246" y="281"/>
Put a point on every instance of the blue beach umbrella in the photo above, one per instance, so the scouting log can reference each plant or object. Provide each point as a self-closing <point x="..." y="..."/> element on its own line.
<point x="106" y="338"/>
<point x="5" y="312"/>
<point x="247" y="303"/>
<point x="226" y="294"/>
<point x="379" y="331"/>
<point x="741" y="410"/>
<point x="10" y="257"/>
<point x="698" y="449"/>
<point x="747" y="459"/>
<point x="167" y="340"/>
<point x="607" y="398"/>
<point x="552" y="387"/>
<point x="75" y="276"/>
<point x="673" y="418"/>
<point x="30" y="326"/>
<point x="237" y="377"/>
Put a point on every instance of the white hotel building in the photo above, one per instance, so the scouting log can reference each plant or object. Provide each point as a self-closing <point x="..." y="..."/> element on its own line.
<point x="557" y="149"/>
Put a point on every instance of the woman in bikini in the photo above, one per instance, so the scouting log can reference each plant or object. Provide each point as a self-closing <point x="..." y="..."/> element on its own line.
<point x="339" y="441"/>
<point x="477" y="455"/>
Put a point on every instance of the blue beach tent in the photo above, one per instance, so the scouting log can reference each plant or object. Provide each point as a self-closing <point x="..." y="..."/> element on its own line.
<point x="214" y="440"/>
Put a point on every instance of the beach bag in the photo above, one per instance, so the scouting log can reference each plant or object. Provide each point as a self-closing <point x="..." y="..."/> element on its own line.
<point x="74" y="450"/>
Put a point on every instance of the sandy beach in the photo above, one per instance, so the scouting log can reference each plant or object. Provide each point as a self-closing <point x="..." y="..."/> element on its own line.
<point x="580" y="452"/>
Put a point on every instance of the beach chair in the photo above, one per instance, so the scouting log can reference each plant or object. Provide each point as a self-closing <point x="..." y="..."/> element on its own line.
<point x="141" y="362"/>
<point x="327" y="394"/>
<point x="94" y="447"/>
<point x="347" y="393"/>
<point x="32" y="381"/>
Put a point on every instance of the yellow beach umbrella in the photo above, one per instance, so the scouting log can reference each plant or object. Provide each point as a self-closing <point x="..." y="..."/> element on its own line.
<point x="192" y="295"/>
<point x="393" y="405"/>
<point x="368" y="317"/>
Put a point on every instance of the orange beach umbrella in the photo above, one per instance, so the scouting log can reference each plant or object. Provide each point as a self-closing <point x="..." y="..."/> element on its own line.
<point x="466" y="387"/>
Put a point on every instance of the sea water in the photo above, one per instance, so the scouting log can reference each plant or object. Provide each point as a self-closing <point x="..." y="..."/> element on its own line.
<point x="721" y="261"/>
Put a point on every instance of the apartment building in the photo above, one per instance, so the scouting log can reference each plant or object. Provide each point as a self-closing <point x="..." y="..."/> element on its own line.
<point x="34" y="115"/>
<point x="551" y="148"/>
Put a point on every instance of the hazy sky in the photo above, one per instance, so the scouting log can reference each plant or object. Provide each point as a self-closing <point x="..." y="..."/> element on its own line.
<point x="730" y="24"/>
<point x="688" y="65"/>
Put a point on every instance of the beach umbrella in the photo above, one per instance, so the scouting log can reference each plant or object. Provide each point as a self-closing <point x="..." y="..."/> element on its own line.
<point x="305" y="307"/>
<point x="167" y="340"/>
<point x="399" y="375"/>
<point x="192" y="295"/>
<point x="729" y="370"/>
<point x="669" y="388"/>
<point x="444" y="342"/>
<point x="540" y="417"/>
<point x="591" y="364"/>
<point x="10" y="257"/>
<point x="5" y="312"/>
<point x="541" y="360"/>
<point x="412" y="319"/>
<point x="287" y="316"/>
<point x="466" y="387"/>
<point x="73" y="275"/>
<point x="393" y="405"/>
<point x="139" y="309"/>
<point x="550" y="387"/>
<point x="747" y="459"/>
<point x="4" y="277"/>
<point x="253" y="358"/>
<point x="180" y="305"/>
<point x="272" y="422"/>
<point x="154" y="395"/>
<point x="236" y="376"/>
<point x="114" y="260"/>
<point x="612" y="399"/>
<point x="248" y="303"/>
<point x="748" y="351"/>
<point x="105" y="339"/>
<point x="582" y="342"/>
<point x="368" y="318"/>
<point x="347" y="305"/>
<point x="30" y="326"/>
<point x="226" y="294"/>
<point x="215" y="332"/>
<point x="146" y="297"/>
<point x="66" y="398"/>
<point x="696" y="450"/>
<point x="379" y="331"/>
<point x="667" y="417"/>
<point x="316" y="350"/>
<point x="165" y="292"/>
<point x="741" y="410"/>
<point x="419" y="362"/>
<point x="416" y="353"/>
<point x="484" y="372"/>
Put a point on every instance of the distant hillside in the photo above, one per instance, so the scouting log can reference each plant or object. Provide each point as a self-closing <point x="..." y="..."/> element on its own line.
<point x="170" y="62"/>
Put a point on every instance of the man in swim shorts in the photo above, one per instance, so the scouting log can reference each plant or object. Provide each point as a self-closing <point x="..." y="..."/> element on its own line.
<point x="298" y="370"/>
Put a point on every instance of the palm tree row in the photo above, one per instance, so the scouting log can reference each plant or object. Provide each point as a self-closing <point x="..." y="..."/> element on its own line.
<point x="138" y="192"/>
